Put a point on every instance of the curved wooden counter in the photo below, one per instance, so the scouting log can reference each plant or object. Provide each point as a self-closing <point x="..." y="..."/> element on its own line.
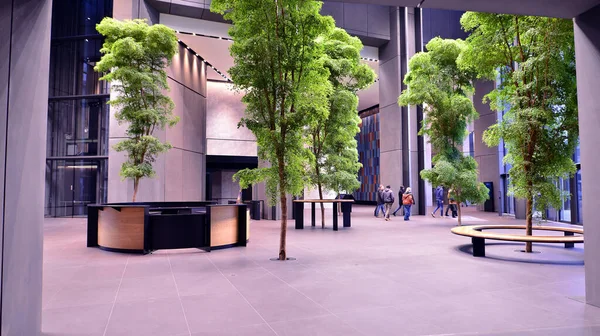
<point x="145" y="227"/>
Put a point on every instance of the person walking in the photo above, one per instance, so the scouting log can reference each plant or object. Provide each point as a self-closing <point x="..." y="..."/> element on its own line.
<point x="388" y="200"/>
<point x="407" y="200"/>
<point x="451" y="204"/>
<point x="400" y="193"/>
<point x="439" y="198"/>
<point x="379" y="201"/>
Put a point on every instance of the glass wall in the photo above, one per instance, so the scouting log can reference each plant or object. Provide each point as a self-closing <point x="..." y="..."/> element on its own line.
<point x="78" y="114"/>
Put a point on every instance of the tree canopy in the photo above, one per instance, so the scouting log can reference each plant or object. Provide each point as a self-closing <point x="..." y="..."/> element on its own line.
<point x="436" y="81"/>
<point x="279" y="68"/>
<point x="134" y="60"/>
<point x="533" y="59"/>
<point x="333" y="163"/>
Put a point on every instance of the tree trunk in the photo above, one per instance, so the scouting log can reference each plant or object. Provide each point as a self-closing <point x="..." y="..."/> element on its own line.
<point x="136" y="184"/>
<point x="529" y="222"/>
<point x="283" y="200"/>
<point x="459" y="214"/>
<point x="322" y="205"/>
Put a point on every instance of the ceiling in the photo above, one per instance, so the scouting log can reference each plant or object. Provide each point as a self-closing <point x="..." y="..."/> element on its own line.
<point x="553" y="8"/>
<point x="216" y="52"/>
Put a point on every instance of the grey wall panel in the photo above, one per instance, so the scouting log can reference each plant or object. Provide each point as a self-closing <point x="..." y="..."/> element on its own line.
<point x="188" y="70"/>
<point x="587" y="49"/>
<point x="355" y="17"/>
<point x="194" y="122"/>
<point x="389" y="82"/>
<point x="488" y="158"/>
<point x="336" y="10"/>
<point x="378" y="21"/>
<point x="25" y="135"/>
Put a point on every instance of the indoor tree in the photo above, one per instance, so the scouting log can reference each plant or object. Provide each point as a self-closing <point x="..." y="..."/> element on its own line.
<point x="534" y="60"/>
<point x="333" y="160"/>
<point x="134" y="60"/>
<point x="436" y="81"/>
<point x="279" y="68"/>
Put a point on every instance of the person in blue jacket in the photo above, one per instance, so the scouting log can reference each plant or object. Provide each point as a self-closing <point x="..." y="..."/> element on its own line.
<point x="439" y="198"/>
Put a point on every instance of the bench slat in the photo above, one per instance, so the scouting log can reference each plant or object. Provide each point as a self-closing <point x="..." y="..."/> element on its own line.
<point x="476" y="231"/>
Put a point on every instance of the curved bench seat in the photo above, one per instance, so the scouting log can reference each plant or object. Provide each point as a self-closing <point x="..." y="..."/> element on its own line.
<point x="478" y="236"/>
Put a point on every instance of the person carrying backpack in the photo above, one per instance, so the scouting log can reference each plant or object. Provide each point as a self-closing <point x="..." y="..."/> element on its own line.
<point x="400" y="193"/>
<point x="407" y="201"/>
<point x="388" y="200"/>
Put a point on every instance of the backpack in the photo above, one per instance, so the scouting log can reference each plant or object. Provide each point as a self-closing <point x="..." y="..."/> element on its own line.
<point x="407" y="199"/>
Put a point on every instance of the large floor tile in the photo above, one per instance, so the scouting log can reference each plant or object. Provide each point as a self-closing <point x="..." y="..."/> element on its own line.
<point x="388" y="321"/>
<point x="199" y="284"/>
<point x="85" y="294"/>
<point x="147" y="288"/>
<point x="253" y="330"/>
<point x="283" y="304"/>
<point x="80" y="321"/>
<point x="150" y="317"/>
<point x="318" y="326"/>
<point x="218" y="312"/>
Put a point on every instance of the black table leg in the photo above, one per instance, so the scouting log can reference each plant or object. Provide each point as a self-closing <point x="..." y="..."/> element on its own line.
<point x="569" y="245"/>
<point x="312" y="213"/>
<point x="299" y="215"/>
<point x="347" y="221"/>
<point x="335" y="217"/>
<point x="478" y="247"/>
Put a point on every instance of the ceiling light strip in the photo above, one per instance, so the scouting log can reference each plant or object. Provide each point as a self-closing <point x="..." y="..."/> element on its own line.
<point x="204" y="61"/>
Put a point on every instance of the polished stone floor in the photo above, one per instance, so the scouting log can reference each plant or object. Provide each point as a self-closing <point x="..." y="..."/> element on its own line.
<point x="376" y="278"/>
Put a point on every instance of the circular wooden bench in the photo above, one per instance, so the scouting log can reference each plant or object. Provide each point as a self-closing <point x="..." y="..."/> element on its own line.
<point x="478" y="237"/>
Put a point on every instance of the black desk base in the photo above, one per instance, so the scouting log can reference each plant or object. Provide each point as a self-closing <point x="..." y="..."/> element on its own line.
<point x="299" y="209"/>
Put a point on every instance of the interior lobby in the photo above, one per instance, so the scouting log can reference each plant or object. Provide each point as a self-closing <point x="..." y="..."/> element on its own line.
<point x="375" y="278"/>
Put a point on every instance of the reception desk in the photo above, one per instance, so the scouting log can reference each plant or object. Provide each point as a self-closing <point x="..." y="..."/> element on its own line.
<point x="145" y="227"/>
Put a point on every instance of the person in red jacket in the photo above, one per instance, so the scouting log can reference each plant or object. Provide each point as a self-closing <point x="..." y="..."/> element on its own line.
<point x="407" y="200"/>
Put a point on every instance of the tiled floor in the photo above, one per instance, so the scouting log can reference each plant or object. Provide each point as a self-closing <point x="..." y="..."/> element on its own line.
<point x="377" y="278"/>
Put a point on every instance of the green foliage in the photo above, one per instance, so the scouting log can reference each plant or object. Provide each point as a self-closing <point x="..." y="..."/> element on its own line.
<point x="436" y="81"/>
<point x="279" y="68"/>
<point x="460" y="175"/>
<point x="536" y="61"/>
<point x="135" y="56"/>
<point x="333" y="163"/>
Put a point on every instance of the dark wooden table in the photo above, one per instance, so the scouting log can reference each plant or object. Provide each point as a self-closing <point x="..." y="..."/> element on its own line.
<point x="299" y="204"/>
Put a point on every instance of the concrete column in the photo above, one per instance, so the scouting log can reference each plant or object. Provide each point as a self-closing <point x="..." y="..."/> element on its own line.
<point x="24" y="64"/>
<point x="587" y="50"/>
<point x="402" y="151"/>
<point x="488" y="158"/>
<point x="393" y="134"/>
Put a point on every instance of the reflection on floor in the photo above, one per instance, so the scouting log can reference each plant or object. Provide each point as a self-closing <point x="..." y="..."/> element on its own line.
<point x="376" y="278"/>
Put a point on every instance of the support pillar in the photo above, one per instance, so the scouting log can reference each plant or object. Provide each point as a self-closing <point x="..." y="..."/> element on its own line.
<point x="587" y="50"/>
<point x="400" y="150"/>
<point x="24" y="65"/>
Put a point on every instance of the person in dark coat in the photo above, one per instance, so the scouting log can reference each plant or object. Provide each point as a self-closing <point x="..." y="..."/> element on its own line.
<point x="379" y="201"/>
<point x="400" y="193"/>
